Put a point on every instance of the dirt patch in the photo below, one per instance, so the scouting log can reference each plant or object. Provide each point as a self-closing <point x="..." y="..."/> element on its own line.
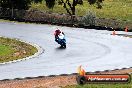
<point x="44" y="82"/>
<point x="52" y="82"/>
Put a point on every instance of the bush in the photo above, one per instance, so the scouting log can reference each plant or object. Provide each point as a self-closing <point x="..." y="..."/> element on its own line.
<point x="88" y="19"/>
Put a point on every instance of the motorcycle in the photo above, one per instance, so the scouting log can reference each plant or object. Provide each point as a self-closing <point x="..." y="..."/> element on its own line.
<point x="61" y="40"/>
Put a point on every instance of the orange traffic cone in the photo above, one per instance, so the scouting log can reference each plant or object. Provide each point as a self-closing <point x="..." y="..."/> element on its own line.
<point x="126" y="29"/>
<point x="81" y="71"/>
<point x="114" y="33"/>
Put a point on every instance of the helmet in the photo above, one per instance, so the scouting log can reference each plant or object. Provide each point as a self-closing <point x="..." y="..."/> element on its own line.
<point x="57" y="32"/>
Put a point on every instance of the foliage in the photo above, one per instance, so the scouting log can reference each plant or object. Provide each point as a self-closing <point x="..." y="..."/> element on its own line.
<point x="17" y="4"/>
<point x="94" y="1"/>
<point x="37" y="1"/>
<point x="88" y="19"/>
<point x="70" y="5"/>
<point x="50" y="3"/>
<point x="112" y="9"/>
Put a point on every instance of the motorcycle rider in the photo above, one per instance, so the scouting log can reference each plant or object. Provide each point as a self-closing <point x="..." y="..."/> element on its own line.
<point x="59" y="35"/>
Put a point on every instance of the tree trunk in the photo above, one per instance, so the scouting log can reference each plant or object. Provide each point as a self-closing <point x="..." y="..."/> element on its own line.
<point x="74" y="10"/>
<point x="73" y="6"/>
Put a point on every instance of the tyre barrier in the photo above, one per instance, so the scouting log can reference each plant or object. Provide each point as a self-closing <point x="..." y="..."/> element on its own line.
<point x="81" y="80"/>
<point x="103" y="78"/>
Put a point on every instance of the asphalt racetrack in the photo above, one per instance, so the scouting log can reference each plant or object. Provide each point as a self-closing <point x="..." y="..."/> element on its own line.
<point x="95" y="50"/>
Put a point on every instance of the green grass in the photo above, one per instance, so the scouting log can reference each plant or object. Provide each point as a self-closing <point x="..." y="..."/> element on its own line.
<point x="115" y="9"/>
<point x="102" y="86"/>
<point x="5" y="50"/>
<point x="2" y="20"/>
<point x="107" y="85"/>
<point x="12" y="49"/>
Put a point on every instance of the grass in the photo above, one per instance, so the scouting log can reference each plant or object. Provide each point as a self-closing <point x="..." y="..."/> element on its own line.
<point x="108" y="85"/>
<point x="5" y="50"/>
<point x="12" y="49"/>
<point x="2" y="20"/>
<point x="114" y="9"/>
<point x="101" y="86"/>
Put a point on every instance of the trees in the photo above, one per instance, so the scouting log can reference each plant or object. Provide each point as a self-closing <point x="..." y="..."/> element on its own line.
<point x="70" y="5"/>
<point x="50" y="3"/>
<point x="16" y="4"/>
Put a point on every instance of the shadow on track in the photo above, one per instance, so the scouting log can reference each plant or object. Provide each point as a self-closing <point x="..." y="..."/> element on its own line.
<point x="60" y="48"/>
